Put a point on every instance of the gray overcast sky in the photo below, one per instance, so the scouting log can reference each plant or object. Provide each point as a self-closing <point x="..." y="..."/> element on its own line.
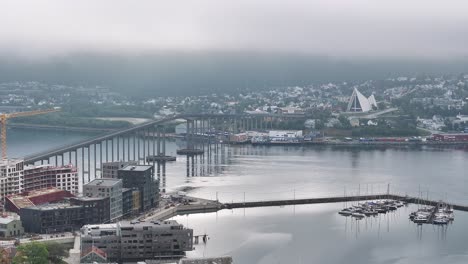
<point x="429" y="28"/>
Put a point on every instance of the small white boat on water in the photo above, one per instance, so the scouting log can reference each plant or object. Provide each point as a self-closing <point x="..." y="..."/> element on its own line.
<point x="358" y="215"/>
<point x="345" y="212"/>
<point x="421" y="219"/>
<point x="441" y="220"/>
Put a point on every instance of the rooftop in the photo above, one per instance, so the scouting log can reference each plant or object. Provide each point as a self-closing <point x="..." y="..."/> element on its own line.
<point x="27" y="199"/>
<point x="7" y="219"/>
<point x="96" y="229"/>
<point x="45" y="167"/>
<point x="10" y="162"/>
<point x="137" y="168"/>
<point x="47" y="207"/>
<point x="106" y="182"/>
<point x="118" y="163"/>
<point x="40" y="192"/>
<point x="87" y="198"/>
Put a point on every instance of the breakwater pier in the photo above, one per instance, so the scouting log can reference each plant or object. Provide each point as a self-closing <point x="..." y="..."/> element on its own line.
<point x="198" y="205"/>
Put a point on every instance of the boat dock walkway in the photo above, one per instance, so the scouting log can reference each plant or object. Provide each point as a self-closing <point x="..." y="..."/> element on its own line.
<point x="206" y="206"/>
<point x="413" y="200"/>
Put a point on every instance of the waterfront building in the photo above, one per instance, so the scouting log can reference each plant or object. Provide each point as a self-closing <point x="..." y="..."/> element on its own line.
<point x="46" y="176"/>
<point x="15" y="202"/>
<point x="129" y="206"/>
<point x="52" y="218"/>
<point x="94" y="210"/>
<point x="282" y="134"/>
<point x="291" y="110"/>
<point x="238" y="138"/>
<point x="138" y="241"/>
<point x="11" y="177"/>
<point x="359" y="103"/>
<point x="141" y="178"/>
<point x="451" y="137"/>
<point x="65" y="217"/>
<point x="107" y="187"/>
<point x="110" y="169"/>
<point x="10" y="226"/>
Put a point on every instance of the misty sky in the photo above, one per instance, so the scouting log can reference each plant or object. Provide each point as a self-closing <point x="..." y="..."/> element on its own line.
<point x="421" y="28"/>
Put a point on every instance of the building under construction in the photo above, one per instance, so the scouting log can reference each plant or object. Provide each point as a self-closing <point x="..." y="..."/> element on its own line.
<point x="11" y="177"/>
<point x="47" y="176"/>
<point x="15" y="202"/>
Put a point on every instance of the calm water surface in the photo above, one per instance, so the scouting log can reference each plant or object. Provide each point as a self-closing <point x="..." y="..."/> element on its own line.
<point x="309" y="233"/>
<point x="317" y="234"/>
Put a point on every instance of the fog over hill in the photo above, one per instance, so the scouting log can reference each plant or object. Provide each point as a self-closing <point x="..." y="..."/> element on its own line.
<point x="197" y="46"/>
<point x="177" y="73"/>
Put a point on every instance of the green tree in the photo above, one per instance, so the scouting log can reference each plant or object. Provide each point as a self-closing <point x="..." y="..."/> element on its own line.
<point x="32" y="253"/>
<point x="56" y="252"/>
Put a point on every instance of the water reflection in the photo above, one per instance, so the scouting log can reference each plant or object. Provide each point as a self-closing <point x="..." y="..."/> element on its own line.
<point x="317" y="234"/>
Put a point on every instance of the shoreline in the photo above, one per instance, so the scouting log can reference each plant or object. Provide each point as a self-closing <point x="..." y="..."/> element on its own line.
<point x="366" y="144"/>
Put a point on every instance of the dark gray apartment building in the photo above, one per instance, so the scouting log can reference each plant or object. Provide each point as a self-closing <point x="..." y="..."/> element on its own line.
<point x="141" y="177"/>
<point x="110" y="169"/>
<point x="65" y="217"/>
<point x="51" y="218"/>
<point x="138" y="241"/>
<point x="106" y="187"/>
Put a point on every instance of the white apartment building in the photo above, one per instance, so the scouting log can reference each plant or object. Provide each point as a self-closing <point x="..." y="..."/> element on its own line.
<point x="11" y="177"/>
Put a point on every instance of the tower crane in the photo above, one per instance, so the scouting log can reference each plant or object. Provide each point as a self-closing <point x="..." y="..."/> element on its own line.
<point x="5" y="117"/>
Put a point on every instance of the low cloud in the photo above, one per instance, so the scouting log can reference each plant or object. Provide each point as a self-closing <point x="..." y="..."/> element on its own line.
<point x="417" y="28"/>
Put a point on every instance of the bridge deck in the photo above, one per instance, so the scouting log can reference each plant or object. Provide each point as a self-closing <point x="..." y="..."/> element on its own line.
<point x="63" y="149"/>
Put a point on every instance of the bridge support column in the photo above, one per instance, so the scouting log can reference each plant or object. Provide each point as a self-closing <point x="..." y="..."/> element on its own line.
<point x="112" y="149"/>
<point x="147" y="144"/>
<point x="155" y="139"/>
<point x="159" y="141"/>
<point x="134" y="147"/>
<point x="100" y="157"/>
<point x="144" y="146"/>
<point x="107" y="150"/>
<point x="138" y="149"/>
<point x="163" y="177"/>
<point x="118" y="148"/>
<point x="163" y="143"/>
<point x="128" y="147"/>
<point x="89" y="164"/>
<point x="95" y="159"/>
<point x="189" y="134"/>
<point x="193" y="165"/>
<point x="123" y="148"/>
<point x="82" y="165"/>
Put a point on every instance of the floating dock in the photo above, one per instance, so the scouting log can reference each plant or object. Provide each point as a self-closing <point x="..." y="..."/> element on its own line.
<point x="160" y="158"/>
<point x="190" y="152"/>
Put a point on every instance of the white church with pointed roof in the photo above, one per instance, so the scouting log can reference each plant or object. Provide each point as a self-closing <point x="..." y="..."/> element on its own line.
<point x="359" y="103"/>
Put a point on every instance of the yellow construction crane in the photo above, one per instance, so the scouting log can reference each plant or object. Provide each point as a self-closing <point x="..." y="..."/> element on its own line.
<point x="5" y="117"/>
